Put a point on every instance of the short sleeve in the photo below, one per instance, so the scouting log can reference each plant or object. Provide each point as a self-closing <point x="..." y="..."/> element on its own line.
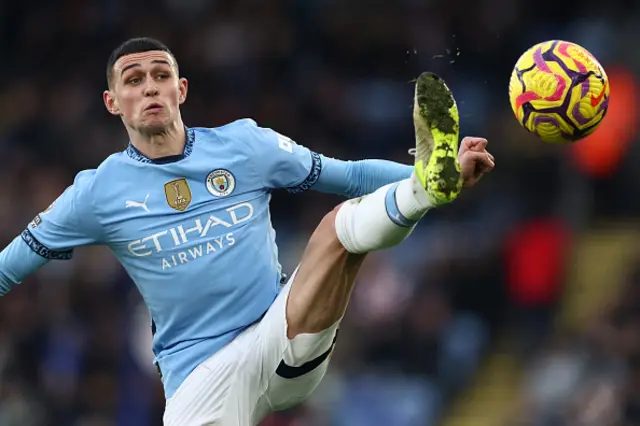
<point x="282" y="163"/>
<point x="67" y="223"/>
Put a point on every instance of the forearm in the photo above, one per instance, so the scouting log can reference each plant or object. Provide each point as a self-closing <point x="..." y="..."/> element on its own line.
<point x="356" y="178"/>
<point x="17" y="261"/>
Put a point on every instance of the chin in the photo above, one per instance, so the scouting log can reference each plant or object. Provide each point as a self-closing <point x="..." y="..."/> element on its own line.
<point x="154" y="127"/>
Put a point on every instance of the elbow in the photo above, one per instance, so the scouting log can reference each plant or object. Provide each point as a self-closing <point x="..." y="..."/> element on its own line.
<point x="359" y="184"/>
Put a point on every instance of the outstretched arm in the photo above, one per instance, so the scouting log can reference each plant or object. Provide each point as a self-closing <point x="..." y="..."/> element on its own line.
<point x="281" y="163"/>
<point x="356" y="178"/>
<point x="51" y="235"/>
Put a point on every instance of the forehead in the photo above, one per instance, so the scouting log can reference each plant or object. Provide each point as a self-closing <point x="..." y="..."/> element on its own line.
<point x="143" y="59"/>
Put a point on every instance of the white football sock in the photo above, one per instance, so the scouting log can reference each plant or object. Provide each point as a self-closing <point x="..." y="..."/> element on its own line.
<point x="383" y="218"/>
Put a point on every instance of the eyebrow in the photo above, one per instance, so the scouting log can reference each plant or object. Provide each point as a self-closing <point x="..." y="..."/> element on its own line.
<point x="155" y="61"/>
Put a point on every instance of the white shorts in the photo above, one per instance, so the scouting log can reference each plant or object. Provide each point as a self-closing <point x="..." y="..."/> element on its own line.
<point x="259" y="372"/>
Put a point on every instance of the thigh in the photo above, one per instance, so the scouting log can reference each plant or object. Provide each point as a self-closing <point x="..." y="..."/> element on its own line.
<point x="259" y="372"/>
<point x="285" y="392"/>
<point x="292" y="368"/>
<point x="223" y="390"/>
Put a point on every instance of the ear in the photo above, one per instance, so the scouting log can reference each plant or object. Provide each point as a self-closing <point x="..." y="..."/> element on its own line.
<point x="183" y="86"/>
<point x="110" y="102"/>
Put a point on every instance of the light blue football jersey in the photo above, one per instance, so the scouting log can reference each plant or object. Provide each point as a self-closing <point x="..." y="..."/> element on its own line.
<point x="192" y="231"/>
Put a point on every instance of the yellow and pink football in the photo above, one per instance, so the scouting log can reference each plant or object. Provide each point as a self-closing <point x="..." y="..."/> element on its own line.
<point x="559" y="91"/>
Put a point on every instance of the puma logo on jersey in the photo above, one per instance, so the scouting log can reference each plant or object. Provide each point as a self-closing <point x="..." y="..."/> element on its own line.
<point x="142" y="205"/>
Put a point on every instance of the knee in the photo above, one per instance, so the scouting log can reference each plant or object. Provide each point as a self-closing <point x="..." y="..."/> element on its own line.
<point x="325" y="235"/>
<point x="337" y="231"/>
<point x="329" y="219"/>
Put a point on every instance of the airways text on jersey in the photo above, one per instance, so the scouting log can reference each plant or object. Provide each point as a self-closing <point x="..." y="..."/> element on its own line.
<point x="194" y="239"/>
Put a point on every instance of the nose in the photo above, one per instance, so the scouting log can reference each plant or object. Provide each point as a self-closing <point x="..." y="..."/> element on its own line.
<point x="150" y="88"/>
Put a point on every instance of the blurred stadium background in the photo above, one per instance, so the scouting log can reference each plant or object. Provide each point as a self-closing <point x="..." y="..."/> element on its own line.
<point x="517" y="305"/>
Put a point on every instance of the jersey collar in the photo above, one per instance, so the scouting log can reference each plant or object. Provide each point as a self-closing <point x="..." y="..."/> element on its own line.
<point x="135" y="154"/>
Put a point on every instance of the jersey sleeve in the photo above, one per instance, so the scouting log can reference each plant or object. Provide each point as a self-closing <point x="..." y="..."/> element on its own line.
<point x="67" y="223"/>
<point x="17" y="261"/>
<point x="356" y="178"/>
<point x="282" y="163"/>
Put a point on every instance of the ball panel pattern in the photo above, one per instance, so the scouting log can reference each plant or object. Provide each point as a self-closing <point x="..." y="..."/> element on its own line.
<point x="559" y="91"/>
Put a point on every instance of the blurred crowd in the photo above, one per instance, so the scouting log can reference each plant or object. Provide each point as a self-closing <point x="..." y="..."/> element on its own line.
<point x="591" y="378"/>
<point x="334" y="76"/>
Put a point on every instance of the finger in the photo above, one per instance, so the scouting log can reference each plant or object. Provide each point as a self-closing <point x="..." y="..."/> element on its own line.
<point x="488" y="158"/>
<point x="474" y="143"/>
<point x="481" y="159"/>
<point x="481" y="145"/>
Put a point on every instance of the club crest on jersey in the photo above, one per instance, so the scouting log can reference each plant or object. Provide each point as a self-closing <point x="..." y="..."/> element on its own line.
<point x="221" y="183"/>
<point x="178" y="194"/>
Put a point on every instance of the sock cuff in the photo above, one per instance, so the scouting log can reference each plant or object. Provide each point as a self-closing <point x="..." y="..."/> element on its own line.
<point x="392" y="208"/>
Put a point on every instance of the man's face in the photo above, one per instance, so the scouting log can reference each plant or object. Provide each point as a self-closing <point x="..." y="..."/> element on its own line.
<point x="145" y="91"/>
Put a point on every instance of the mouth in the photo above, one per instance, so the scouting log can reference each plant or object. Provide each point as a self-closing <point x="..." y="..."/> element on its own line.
<point x="153" y="107"/>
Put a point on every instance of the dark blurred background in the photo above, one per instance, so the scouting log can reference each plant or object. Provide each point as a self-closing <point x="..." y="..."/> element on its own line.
<point x="517" y="305"/>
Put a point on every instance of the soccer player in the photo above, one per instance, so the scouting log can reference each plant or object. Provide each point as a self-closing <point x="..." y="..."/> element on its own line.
<point x="186" y="212"/>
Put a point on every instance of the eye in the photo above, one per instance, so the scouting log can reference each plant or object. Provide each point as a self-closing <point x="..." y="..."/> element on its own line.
<point x="133" y="80"/>
<point x="163" y="76"/>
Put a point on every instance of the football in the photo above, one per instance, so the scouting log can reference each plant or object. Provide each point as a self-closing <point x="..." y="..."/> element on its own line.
<point x="559" y="91"/>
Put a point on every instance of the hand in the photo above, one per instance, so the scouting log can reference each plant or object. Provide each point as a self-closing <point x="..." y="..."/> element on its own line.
<point x="474" y="160"/>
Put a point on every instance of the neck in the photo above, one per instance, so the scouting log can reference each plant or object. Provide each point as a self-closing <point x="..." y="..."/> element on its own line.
<point x="169" y="142"/>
